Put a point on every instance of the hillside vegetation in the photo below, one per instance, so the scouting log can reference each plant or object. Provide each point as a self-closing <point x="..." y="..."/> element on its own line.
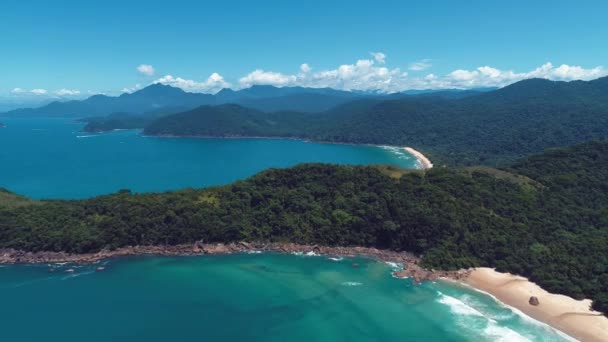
<point x="491" y="128"/>
<point x="544" y="217"/>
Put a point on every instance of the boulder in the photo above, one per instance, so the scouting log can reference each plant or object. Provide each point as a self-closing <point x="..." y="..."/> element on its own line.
<point x="533" y="301"/>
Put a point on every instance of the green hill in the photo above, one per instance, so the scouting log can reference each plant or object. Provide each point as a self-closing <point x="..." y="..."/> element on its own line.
<point x="490" y="128"/>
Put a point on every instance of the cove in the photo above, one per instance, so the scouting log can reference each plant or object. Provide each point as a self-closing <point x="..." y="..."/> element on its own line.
<point x="48" y="158"/>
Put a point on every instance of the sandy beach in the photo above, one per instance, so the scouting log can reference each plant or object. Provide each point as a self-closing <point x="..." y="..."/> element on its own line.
<point x="425" y="163"/>
<point x="564" y="313"/>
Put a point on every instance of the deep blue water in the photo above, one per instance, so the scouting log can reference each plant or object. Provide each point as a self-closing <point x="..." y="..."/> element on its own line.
<point x="52" y="158"/>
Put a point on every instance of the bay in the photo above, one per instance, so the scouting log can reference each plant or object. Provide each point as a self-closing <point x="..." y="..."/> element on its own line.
<point x="51" y="158"/>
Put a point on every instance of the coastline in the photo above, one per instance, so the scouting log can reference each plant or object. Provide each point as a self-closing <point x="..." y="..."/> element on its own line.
<point x="410" y="262"/>
<point x="423" y="161"/>
<point x="568" y="315"/>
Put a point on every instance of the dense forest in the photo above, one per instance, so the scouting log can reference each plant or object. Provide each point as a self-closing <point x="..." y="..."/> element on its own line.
<point x="544" y="217"/>
<point x="490" y="128"/>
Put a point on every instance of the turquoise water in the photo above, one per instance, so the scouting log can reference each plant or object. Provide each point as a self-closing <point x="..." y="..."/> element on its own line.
<point x="51" y="158"/>
<point x="255" y="297"/>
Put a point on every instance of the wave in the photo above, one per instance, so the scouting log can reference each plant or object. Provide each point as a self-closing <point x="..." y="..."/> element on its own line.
<point x="311" y="253"/>
<point x="470" y="315"/>
<point x="459" y="307"/>
<point x="522" y="315"/>
<point x="254" y="252"/>
<point x="394" y="265"/>
<point x="76" y="275"/>
<point x="351" y="283"/>
<point x="399" y="152"/>
<point x="336" y="259"/>
<point x="87" y="136"/>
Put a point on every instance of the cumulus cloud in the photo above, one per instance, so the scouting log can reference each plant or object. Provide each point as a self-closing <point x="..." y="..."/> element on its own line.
<point x="214" y="83"/>
<point x="67" y="92"/>
<point x="487" y="76"/>
<point x="379" y="57"/>
<point x="365" y="74"/>
<point x="18" y="91"/>
<point x="373" y="75"/>
<point x="262" y="77"/>
<point x="21" y="91"/>
<point x="420" y="65"/>
<point x="305" y="68"/>
<point x="133" y="89"/>
<point x="146" y="70"/>
<point x="38" y="91"/>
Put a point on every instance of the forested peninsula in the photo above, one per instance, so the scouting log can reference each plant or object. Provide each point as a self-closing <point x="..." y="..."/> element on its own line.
<point x="543" y="217"/>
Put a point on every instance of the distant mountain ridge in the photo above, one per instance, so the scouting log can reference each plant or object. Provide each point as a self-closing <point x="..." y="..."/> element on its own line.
<point x="158" y="96"/>
<point x="489" y="128"/>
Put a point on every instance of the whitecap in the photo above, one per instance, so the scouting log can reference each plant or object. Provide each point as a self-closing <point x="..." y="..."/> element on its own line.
<point x="523" y="316"/>
<point x="351" y="283"/>
<point x="503" y="334"/>
<point x="394" y="265"/>
<point x="76" y="275"/>
<point x="457" y="306"/>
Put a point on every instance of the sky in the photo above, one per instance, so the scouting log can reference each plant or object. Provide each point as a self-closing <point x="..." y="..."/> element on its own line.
<point x="72" y="49"/>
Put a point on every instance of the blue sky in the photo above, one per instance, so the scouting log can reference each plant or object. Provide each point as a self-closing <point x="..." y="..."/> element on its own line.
<point x="73" y="48"/>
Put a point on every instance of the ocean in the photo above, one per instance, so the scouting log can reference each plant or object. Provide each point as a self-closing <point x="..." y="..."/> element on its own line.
<point x="247" y="297"/>
<point x="51" y="158"/>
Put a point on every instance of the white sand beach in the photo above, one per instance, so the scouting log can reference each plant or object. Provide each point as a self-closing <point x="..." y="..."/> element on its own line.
<point x="425" y="163"/>
<point x="573" y="317"/>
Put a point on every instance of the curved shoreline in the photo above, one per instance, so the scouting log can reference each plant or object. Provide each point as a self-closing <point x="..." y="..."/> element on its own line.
<point x="423" y="161"/>
<point x="566" y="314"/>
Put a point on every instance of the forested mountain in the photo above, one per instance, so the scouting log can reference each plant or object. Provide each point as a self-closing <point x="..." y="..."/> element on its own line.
<point x="543" y="217"/>
<point x="490" y="128"/>
<point x="163" y="97"/>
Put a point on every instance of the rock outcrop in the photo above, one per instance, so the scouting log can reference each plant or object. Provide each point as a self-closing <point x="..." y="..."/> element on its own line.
<point x="533" y="301"/>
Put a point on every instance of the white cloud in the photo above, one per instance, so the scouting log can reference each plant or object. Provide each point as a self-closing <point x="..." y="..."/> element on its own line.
<point x="38" y="91"/>
<point x="305" y="68"/>
<point x="18" y="91"/>
<point x="262" y="77"/>
<point x="368" y="75"/>
<point x="21" y="91"/>
<point x="365" y="74"/>
<point x="146" y="70"/>
<point x="420" y="65"/>
<point x="133" y="89"/>
<point x="214" y="83"/>
<point x="67" y="92"/>
<point x="487" y="76"/>
<point x="379" y="57"/>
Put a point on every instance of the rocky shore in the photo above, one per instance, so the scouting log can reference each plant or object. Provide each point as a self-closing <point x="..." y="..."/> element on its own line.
<point x="410" y="262"/>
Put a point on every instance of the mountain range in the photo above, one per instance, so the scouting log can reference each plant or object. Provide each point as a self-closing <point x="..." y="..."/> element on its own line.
<point x="487" y="128"/>
<point x="159" y="97"/>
